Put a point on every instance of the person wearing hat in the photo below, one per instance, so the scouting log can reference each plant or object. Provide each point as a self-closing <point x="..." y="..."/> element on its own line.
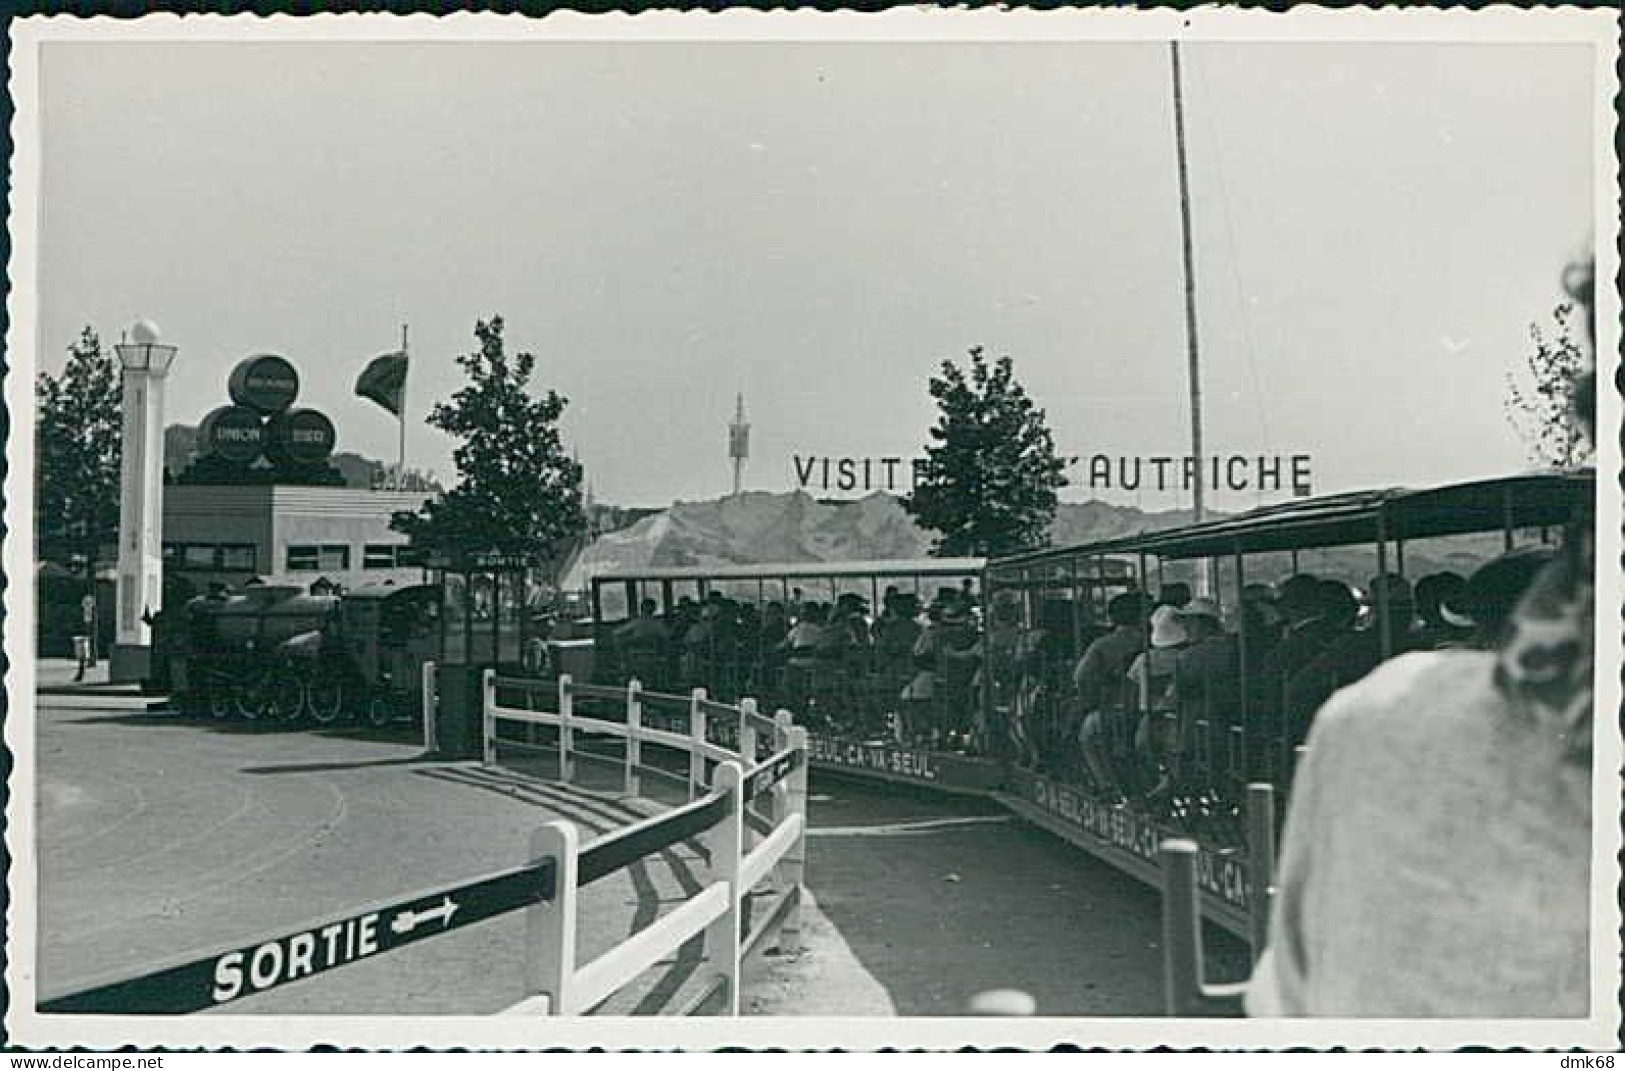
<point x="959" y="657"/>
<point x="645" y="646"/>
<point x="1100" y="681"/>
<point x="1151" y="677"/>
<point x="1206" y="684"/>
<point x="1439" y="627"/>
<point x="1352" y="655"/>
<point x="1488" y="598"/>
<point x="998" y="653"/>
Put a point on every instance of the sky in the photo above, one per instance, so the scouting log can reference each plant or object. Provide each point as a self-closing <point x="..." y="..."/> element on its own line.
<point x="820" y="225"/>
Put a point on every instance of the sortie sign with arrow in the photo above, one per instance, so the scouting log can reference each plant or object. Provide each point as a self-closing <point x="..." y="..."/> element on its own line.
<point x="224" y="976"/>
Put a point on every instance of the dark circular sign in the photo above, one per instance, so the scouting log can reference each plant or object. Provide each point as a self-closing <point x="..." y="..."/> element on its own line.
<point x="265" y="383"/>
<point x="303" y="436"/>
<point x="232" y="432"/>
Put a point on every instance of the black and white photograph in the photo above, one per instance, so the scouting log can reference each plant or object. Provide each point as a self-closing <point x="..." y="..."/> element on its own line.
<point x="814" y="530"/>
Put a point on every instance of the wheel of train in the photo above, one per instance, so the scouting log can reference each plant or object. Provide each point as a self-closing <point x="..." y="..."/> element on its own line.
<point x="380" y="708"/>
<point x="324" y="699"/>
<point x="220" y="701"/>
<point x="287" y="697"/>
<point x="248" y="700"/>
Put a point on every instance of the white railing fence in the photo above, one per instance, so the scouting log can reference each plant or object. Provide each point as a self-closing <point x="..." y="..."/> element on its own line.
<point x="718" y="813"/>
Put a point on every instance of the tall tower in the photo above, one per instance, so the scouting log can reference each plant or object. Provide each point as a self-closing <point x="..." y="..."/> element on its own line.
<point x="739" y="444"/>
<point x="145" y="366"/>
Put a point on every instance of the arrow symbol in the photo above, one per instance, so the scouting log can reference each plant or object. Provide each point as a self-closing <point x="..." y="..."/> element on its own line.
<point x="407" y="921"/>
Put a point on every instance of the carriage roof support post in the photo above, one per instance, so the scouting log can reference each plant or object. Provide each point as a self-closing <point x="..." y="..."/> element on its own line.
<point x="1384" y="631"/>
<point x="696" y="730"/>
<point x="567" y="700"/>
<point x="1241" y="634"/>
<point x="1506" y="516"/>
<point x="632" y="780"/>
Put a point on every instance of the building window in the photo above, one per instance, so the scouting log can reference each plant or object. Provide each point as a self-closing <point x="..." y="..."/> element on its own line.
<point x="239" y="558"/>
<point x="212" y="557"/>
<point x="311" y="557"/>
<point x="389" y="556"/>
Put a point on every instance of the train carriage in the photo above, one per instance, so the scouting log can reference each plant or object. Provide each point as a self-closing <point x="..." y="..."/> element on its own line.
<point x="1060" y="596"/>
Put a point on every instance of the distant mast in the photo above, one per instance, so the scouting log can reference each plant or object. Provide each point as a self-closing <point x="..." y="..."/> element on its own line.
<point x="1204" y="576"/>
<point x="1194" y="367"/>
<point x="739" y="444"/>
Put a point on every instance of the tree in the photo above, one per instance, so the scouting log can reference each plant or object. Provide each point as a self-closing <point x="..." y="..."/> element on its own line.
<point x="1540" y="399"/>
<point x="988" y="483"/>
<point x="518" y="493"/>
<point x="76" y="495"/>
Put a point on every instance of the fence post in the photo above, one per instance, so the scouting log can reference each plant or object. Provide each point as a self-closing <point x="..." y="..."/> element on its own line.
<point x="795" y="871"/>
<point x="567" y="702"/>
<point x="1260" y="863"/>
<point x="488" y="716"/>
<point x="725" y="843"/>
<point x="696" y="734"/>
<point x="430" y="708"/>
<point x="632" y="782"/>
<point x="550" y="925"/>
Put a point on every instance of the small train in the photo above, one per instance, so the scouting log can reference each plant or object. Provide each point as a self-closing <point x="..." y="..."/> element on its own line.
<point x="280" y="653"/>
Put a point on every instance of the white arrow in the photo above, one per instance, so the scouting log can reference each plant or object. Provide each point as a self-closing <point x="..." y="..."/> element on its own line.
<point x="407" y="921"/>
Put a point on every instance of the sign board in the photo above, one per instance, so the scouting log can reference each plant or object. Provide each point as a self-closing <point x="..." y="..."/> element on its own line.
<point x="303" y="436"/>
<point x="265" y="383"/>
<point x="254" y="967"/>
<point x="233" y="432"/>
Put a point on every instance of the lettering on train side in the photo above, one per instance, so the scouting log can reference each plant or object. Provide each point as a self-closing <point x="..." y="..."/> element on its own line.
<point x="900" y="761"/>
<point x="1220" y="873"/>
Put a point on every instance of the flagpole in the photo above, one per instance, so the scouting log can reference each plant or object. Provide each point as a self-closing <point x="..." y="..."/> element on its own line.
<point x="400" y="468"/>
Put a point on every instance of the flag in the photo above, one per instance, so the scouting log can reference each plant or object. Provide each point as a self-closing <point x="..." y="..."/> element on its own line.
<point x="384" y="381"/>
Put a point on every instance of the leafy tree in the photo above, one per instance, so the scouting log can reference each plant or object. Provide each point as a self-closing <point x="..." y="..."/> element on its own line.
<point x="518" y="492"/>
<point x="79" y="448"/>
<point x="988" y="483"/>
<point x="1540" y="399"/>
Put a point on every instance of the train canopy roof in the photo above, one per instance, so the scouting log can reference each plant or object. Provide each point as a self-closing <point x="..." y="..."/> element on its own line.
<point x="1529" y="500"/>
<point x="882" y="567"/>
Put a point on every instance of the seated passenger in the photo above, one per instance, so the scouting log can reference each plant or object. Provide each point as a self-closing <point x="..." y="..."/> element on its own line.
<point x="645" y="645"/>
<point x="1494" y="590"/>
<point x="1151" y="677"/>
<point x="1100" y="681"/>
<point x="997" y="683"/>
<point x="957" y="663"/>
<point x="1206" y="686"/>
<point x="1351" y="656"/>
<point x="1311" y="611"/>
<point x="1433" y="593"/>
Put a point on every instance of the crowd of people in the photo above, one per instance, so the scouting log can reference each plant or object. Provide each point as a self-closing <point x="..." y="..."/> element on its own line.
<point x="1170" y="698"/>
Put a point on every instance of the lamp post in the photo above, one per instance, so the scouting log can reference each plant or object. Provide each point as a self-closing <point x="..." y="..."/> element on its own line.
<point x="145" y="363"/>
